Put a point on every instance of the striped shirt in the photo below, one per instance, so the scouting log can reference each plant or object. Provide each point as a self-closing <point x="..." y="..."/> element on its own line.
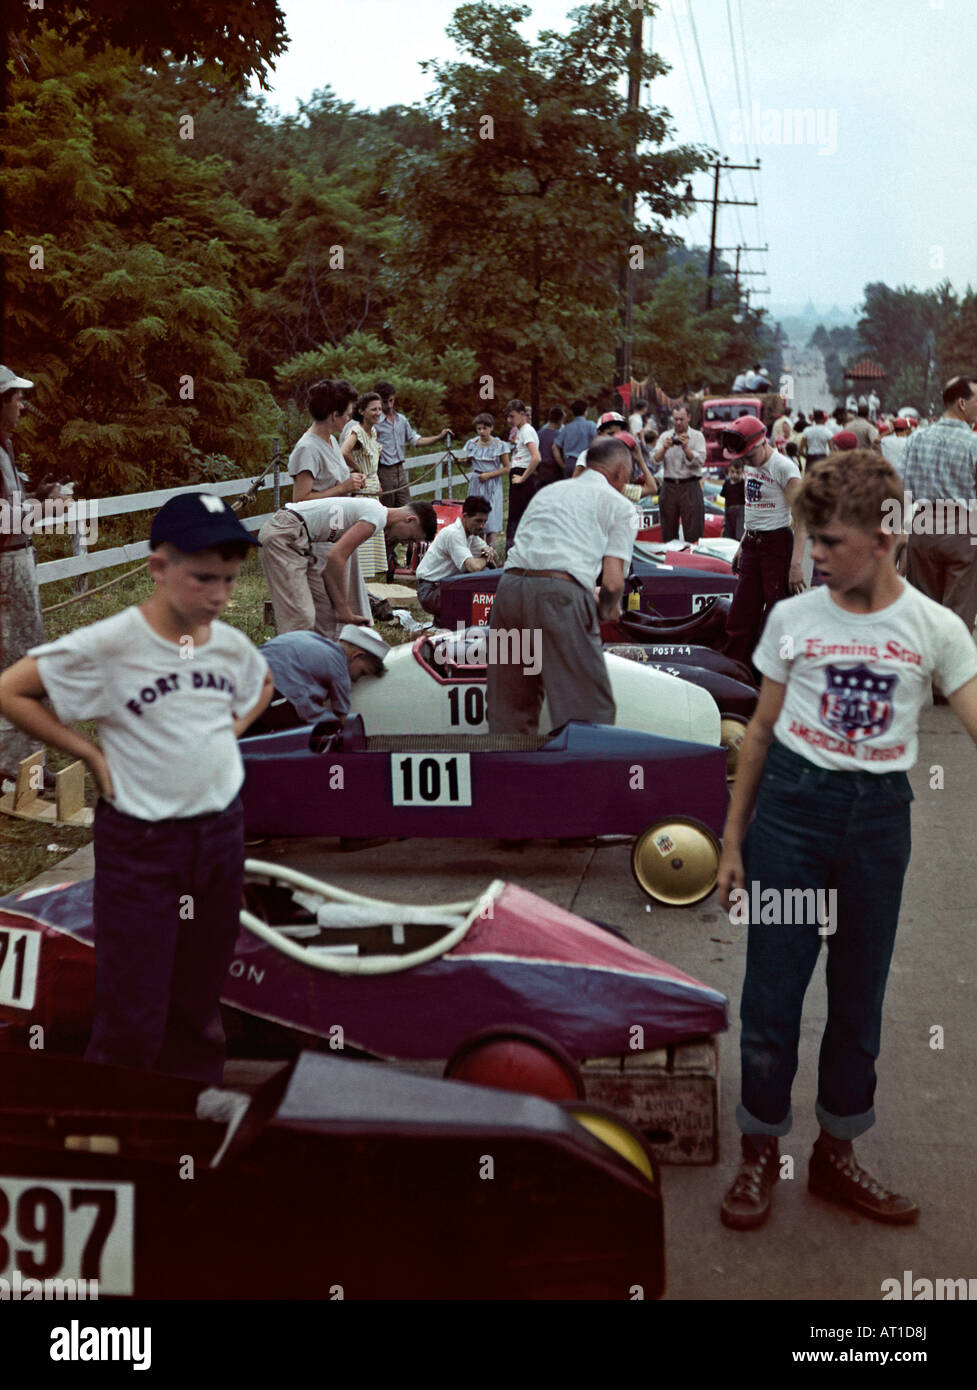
<point x="941" y="461"/>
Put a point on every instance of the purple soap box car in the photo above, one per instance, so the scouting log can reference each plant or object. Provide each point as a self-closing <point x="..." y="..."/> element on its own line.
<point x="580" y="781"/>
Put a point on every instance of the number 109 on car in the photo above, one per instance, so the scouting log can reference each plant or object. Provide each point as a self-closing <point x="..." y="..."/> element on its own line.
<point x="431" y="779"/>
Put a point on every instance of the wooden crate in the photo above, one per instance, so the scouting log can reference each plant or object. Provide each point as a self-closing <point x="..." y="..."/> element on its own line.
<point x="670" y="1095"/>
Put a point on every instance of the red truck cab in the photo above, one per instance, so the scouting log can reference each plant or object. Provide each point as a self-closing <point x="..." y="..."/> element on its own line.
<point x="718" y="413"/>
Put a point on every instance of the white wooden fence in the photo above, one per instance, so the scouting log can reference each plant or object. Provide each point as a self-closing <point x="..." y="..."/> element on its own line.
<point x="82" y="563"/>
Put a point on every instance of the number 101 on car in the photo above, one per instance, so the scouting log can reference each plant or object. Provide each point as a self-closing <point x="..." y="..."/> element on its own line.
<point x="431" y="779"/>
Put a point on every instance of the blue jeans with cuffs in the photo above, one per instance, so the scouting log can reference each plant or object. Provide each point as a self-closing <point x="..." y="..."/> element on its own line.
<point x="820" y="829"/>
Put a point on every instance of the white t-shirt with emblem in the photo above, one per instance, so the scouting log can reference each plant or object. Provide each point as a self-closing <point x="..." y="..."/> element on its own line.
<point x="327" y="518"/>
<point x="856" y="682"/>
<point x="164" y="711"/>
<point x="767" y="508"/>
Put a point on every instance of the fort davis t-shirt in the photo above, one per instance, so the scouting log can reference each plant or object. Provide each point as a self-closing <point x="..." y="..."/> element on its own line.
<point x="856" y="682"/>
<point x="165" y="721"/>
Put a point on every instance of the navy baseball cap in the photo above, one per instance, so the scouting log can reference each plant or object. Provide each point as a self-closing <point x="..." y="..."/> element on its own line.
<point x="196" y="521"/>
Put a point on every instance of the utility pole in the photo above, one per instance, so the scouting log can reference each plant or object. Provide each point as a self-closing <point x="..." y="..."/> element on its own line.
<point x="625" y="283"/>
<point x="721" y="166"/>
<point x="737" y="274"/>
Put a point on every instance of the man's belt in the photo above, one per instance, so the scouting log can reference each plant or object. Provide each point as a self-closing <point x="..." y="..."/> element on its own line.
<point x="17" y="545"/>
<point x="761" y="535"/>
<point x="694" y="478"/>
<point x="544" y="574"/>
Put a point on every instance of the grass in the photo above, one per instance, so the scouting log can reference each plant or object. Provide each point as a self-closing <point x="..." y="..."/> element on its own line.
<point x="27" y="848"/>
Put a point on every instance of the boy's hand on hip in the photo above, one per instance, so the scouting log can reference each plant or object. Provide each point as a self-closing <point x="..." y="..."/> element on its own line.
<point x="99" y="769"/>
<point x="731" y="874"/>
<point x="795" y="579"/>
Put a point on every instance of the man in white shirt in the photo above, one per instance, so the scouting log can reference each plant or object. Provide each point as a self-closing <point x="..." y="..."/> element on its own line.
<point x="816" y="439"/>
<point x="307" y="594"/>
<point x="683" y="451"/>
<point x="573" y="534"/>
<point x="769" y="558"/>
<point x="458" y="549"/>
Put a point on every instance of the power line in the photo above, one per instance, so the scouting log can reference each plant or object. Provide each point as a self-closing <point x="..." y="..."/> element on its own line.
<point x="698" y="114"/>
<point x="749" y="96"/>
<point x="736" y="77"/>
<point x="712" y="112"/>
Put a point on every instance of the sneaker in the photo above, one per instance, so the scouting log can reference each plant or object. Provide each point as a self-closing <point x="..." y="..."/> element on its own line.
<point x="747" y="1203"/>
<point x="838" y="1178"/>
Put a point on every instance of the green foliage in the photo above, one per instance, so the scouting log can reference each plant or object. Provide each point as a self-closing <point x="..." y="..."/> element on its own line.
<point x="235" y="41"/>
<point x="422" y="379"/>
<point x="136" y="303"/>
<point x="515" y="246"/>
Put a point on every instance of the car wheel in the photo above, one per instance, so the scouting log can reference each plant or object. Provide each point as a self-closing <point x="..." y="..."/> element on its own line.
<point x="676" y="862"/>
<point x="731" y="731"/>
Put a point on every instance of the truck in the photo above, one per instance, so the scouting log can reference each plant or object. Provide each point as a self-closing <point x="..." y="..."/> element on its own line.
<point x="713" y="414"/>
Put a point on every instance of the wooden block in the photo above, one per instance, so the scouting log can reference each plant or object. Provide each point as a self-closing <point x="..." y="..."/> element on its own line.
<point x="68" y="808"/>
<point x="645" y="1061"/>
<point x="69" y="792"/>
<point x="700" y="1057"/>
<point x="30" y="780"/>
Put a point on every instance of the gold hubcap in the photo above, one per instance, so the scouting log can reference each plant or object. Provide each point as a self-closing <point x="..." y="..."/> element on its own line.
<point x="731" y="732"/>
<point x="676" y="862"/>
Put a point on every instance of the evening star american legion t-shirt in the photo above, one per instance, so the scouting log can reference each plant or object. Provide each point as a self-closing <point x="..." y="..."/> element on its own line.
<point x="856" y="682"/>
<point x="165" y="720"/>
<point x="767" y="508"/>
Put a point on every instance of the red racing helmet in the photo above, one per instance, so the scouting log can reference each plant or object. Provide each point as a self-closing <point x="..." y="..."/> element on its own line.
<point x="742" y="435"/>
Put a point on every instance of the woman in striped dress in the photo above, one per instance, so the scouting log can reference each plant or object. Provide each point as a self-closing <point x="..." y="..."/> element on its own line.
<point x="361" y="450"/>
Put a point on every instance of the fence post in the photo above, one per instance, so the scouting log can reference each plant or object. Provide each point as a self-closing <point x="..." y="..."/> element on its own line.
<point x="438" y="477"/>
<point x="276" y="488"/>
<point x="79" y="546"/>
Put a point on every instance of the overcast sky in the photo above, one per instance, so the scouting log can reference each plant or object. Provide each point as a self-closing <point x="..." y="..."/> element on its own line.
<point x="881" y="185"/>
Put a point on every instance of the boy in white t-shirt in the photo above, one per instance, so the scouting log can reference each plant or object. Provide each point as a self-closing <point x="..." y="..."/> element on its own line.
<point x="525" y="461"/>
<point x="847" y="668"/>
<point x="170" y="689"/>
<point x="308" y="594"/>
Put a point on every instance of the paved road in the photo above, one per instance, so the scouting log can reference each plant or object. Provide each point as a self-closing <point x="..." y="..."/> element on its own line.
<point x="926" y="1139"/>
<point x="811" y="390"/>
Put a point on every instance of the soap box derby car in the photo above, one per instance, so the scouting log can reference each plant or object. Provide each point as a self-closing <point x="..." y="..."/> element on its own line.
<point x="706" y="628"/>
<point x="580" y="780"/>
<point x="404" y="981"/>
<point x="333" y="1178"/>
<point x="671" y="591"/>
<point x="436" y="685"/>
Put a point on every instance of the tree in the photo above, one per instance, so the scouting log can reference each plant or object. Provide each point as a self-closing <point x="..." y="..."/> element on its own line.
<point x="127" y="262"/>
<point x="512" y="227"/>
<point x="234" y="40"/>
<point x="673" y="338"/>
